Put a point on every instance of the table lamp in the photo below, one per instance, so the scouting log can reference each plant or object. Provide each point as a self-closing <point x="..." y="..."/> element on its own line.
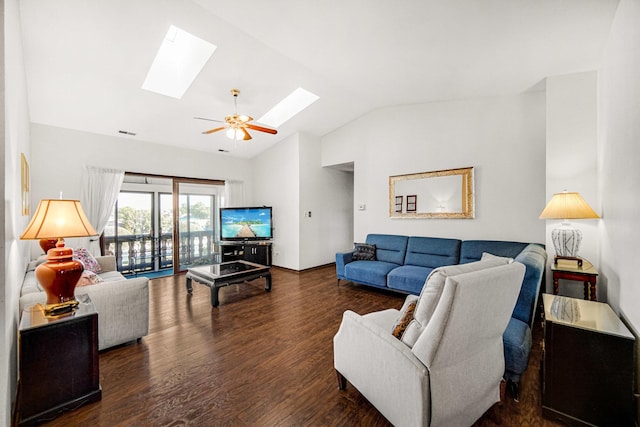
<point x="566" y="239"/>
<point x="57" y="219"/>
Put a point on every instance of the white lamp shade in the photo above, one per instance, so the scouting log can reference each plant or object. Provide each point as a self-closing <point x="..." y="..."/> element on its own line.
<point x="55" y="219"/>
<point x="568" y="206"/>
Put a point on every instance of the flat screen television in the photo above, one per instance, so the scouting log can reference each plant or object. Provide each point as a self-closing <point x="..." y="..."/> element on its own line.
<point x="254" y="223"/>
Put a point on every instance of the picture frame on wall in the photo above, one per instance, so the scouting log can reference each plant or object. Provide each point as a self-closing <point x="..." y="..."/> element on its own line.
<point x="24" y="185"/>
<point x="412" y="203"/>
<point x="399" y="200"/>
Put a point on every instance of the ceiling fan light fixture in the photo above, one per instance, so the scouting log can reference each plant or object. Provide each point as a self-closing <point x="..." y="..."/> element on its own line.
<point x="238" y="134"/>
<point x="233" y="133"/>
<point x="236" y="124"/>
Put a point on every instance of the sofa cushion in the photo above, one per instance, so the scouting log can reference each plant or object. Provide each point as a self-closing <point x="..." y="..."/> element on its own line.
<point x="111" y="276"/>
<point x="408" y="278"/>
<point x="389" y="248"/>
<point x="35" y="263"/>
<point x="432" y="252"/>
<point x="30" y="284"/>
<point x="364" y="252"/>
<point x="372" y="273"/>
<point x="432" y="291"/>
<point x="423" y="255"/>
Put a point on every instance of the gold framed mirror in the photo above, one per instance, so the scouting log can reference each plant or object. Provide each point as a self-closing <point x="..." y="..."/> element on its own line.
<point x="438" y="194"/>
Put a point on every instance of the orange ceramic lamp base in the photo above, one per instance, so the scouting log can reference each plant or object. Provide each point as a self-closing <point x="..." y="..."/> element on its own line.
<point x="59" y="276"/>
<point x="47" y="244"/>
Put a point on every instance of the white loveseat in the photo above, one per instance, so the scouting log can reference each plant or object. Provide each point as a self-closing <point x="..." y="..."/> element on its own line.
<point x="122" y="304"/>
<point x="449" y="372"/>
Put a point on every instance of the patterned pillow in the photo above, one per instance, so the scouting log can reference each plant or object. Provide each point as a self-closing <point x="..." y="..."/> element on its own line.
<point x="406" y="316"/>
<point x="89" y="262"/>
<point x="89" y="278"/>
<point x="364" y="252"/>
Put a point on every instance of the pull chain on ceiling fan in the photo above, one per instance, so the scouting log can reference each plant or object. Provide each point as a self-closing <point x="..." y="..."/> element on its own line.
<point x="237" y="125"/>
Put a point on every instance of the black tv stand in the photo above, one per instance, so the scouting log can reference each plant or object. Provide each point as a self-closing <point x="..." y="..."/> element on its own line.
<point x="252" y="251"/>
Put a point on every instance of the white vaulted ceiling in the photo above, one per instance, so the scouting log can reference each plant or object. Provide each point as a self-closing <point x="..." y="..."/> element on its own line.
<point x="86" y="60"/>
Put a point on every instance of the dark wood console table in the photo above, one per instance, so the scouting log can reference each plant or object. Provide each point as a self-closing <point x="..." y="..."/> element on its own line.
<point x="59" y="367"/>
<point x="587" y="364"/>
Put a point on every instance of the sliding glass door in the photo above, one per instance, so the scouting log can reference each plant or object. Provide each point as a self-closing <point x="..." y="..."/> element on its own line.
<point x="197" y="223"/>
<point x="165" y="231"/>
<point x="163" y="224"/>
<point x="129" y="233"/>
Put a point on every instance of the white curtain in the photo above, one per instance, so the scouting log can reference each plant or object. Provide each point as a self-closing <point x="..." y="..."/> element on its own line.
<point x="233" y="193"/>
<point x="99" y="196"/>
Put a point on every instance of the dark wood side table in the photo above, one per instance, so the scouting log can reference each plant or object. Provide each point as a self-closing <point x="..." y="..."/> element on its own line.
<point x="570" y="270"/>
<point x="59" y="367"/>
<point x="587" y="364"/>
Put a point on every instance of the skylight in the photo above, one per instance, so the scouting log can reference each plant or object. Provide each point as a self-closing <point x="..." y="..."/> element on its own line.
<point x="177" y="63"/>
<point x="297" y="101"/>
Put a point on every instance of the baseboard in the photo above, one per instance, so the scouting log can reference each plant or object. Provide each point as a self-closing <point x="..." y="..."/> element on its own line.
<point x="305" y="269"/>
<point x="636" y="362"/>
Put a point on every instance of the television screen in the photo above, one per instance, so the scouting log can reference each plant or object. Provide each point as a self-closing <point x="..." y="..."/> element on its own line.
<point x="245" y="223"/>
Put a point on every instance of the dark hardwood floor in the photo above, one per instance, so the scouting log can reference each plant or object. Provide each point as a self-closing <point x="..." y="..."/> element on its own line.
<point x="259" y="359"/>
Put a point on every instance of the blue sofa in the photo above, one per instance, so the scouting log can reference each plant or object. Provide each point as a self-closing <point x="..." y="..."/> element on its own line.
<point x="403" y="263"/>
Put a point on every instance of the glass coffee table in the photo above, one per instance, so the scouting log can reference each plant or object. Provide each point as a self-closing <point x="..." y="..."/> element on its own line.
<point x="216" y="276"/>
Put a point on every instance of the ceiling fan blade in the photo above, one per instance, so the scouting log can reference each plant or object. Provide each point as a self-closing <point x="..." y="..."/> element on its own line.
<point x="211" y="120"/>
<point x="246" y="134"/>
<point x="207" y="132"/>
<point x="261" y="128"/>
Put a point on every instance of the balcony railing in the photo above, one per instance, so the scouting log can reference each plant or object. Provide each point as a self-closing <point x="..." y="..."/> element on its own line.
<point x="142" y="253"/>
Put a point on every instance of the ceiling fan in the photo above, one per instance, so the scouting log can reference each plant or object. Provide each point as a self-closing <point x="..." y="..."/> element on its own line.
<point x="237" y="125"/>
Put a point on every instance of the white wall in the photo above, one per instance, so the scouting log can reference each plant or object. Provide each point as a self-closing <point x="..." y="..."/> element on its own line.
<point x="503" y="138"/>
<point x="277" y="183"/>
<point x="60" y="154"/>
<point x="327" y="194"/>
<point x="619" y="157"/>
<point x="572" y="158"/>
<point x="289" y="177"/>
<point x="15" y="140"/>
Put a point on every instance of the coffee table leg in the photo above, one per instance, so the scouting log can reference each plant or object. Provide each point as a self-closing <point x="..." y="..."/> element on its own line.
<point x="214" y="296"/>
<point x="267" y="285"/>
<point x="189" y="285"/>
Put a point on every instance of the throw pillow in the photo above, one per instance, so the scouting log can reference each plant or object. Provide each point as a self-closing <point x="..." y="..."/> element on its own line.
<point x="364" y="252"/>
<point x="89" y="278"/>
<point x="89" y="262"/>
<point x="406" y="316"/>
<point x="487" y="255"/>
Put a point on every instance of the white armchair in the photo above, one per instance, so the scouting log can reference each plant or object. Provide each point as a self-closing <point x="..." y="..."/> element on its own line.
<point x="451" y="374"/>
